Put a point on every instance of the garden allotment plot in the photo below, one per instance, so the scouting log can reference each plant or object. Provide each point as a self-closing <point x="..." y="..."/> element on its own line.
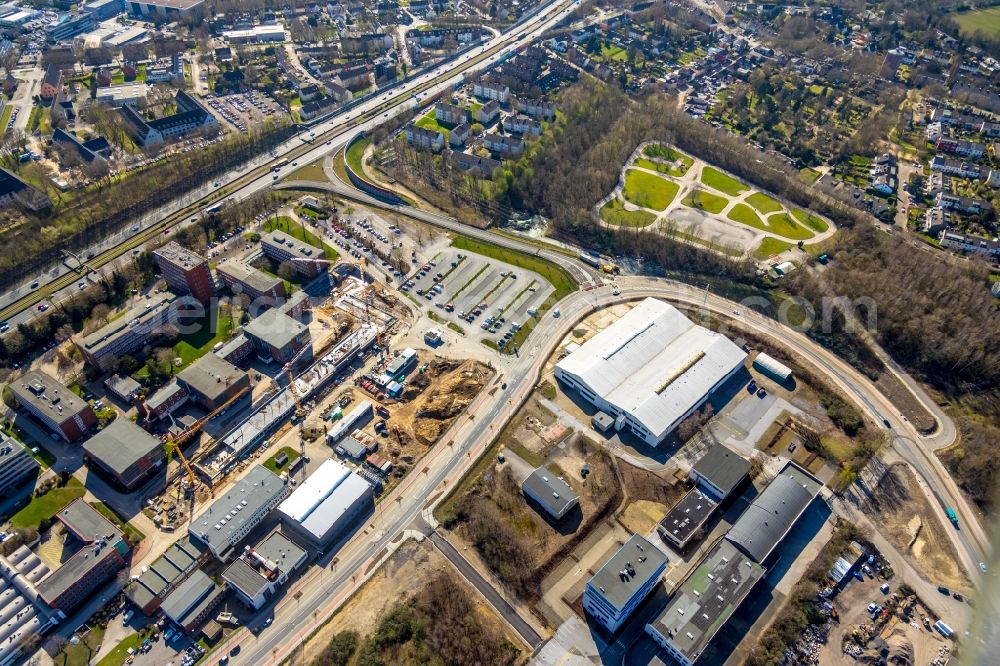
<point x="663" y="189"/>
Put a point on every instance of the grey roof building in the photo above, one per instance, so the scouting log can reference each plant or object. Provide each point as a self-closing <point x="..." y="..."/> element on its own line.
<point x="550" y="491"/>
<point x="164" y="574"/>
<point x="720" y="471"/>
<point x="242" y="278"/>
<point x="124" y="453"/>
<point x="16" y="464"/>
<point x="191" y="602"/>
<point x="774" y="512"/>
<point x="704" y="602"/>
<point x="212" y="380"/>
<point x="60" y="410"/>
<point x="123" y="387"/>
<point x="618" y="587"/>
<point x="277" y="336"/>
<point x="229" y="519"/>
<point x="261" y="571"/>
<point x="685" y="519"/>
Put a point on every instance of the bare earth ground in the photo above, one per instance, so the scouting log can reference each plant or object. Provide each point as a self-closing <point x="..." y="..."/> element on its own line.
<point x="852" y="603"/>
<point x="907" y="520"/>
<point x="908" y="406"/>
<point x="406" y="572"/>
<point x="641" y="516"/>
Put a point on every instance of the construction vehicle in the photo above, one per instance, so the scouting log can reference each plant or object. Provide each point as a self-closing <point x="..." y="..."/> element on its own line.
<point x="175" y="445"/>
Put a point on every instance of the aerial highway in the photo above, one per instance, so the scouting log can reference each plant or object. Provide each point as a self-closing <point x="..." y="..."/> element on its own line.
<point x="17" y="304"/>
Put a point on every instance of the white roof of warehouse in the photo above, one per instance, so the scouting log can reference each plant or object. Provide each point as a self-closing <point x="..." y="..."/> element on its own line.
<point x="324" y="497"/>
<point x="654" y="363"/>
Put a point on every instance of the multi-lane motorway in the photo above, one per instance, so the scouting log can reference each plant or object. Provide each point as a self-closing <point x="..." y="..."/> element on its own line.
<point x="17" y="304"/>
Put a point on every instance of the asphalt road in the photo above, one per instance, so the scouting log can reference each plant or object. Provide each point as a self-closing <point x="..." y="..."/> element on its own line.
<point x="471" y="574"/>
<point x="448" y="461"/>
<point x="18" y="304"/>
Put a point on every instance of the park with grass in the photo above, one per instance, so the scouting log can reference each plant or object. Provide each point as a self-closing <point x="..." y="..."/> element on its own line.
<point x="664" y="189"/>
<point x="649" y="191"/>
<point x="985" y="20"/>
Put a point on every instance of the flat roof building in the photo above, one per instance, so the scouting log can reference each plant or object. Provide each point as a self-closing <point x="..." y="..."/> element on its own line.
<point x="305" y="258"/>
<point x="278" y="337"/>
<point x="231" y="517"/>
<point x="242" y="278"/>
<point x="704" y="602"/>
<point x="191" y="603"/>
<point x="550" y="491"/>
<point x="327" y="504"/>
<point x="720" y="471"/>
<point x="262" y="570"/>
<point x="685" y="520"/>
<point x="185" y="271"/>
<point x="212" y="380"/>
<point x="134" y="329"/>
<point x="651" y="369"/>
<point x="624" y="581"/>
<point x="123" y="387"/>
<point x="774" y="512"/>
<point x="123" y="94"/>
<point x="163" y="9"/>
<point x="16" y="464"/>
<point x="124" y="454"/>
<point x="166" y="572"/>
<point x="63" y="412"/>
<point x="102" y="554"/>
<point x="23" y="613"/>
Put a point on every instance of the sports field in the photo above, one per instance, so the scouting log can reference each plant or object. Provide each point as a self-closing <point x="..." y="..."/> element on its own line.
<point x="986" y="21"/>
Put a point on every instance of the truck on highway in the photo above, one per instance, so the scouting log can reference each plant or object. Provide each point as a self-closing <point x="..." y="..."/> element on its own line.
<point x="952" y="516"/>
<point x="598" y="263"/>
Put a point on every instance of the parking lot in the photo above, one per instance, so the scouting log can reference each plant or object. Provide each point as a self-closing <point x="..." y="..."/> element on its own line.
<point x="471" y="289"/>
<point x="242" y="109"/>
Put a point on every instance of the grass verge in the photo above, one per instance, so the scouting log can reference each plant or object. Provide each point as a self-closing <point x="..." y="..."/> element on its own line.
<point x="706" y="201"/>
<point x="770" y="247"/>
<point x="614" y="213"/>
<point x="43" y="508"/>
<point x="272" y="462"/>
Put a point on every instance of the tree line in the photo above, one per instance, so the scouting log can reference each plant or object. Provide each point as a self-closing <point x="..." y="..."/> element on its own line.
<point x="104" y="209"/>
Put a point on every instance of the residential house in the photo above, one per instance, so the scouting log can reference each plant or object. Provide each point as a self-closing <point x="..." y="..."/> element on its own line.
<point x="523" y="125"/>
<point x="460" y="135"/>
<point x="491" y="89"/>
<point x="474" y="164"/>
<point x="540" y="109"/>
<point x="14" y="191"/>
<point x="957" y="168"/>
<point x="936" y="220"/>
<point x="969" y="243"/>
<point x="424" y="138"/>
<point x="507" y="146"/>
<point x="488" y="112"/>
<point x="450" y="114"/>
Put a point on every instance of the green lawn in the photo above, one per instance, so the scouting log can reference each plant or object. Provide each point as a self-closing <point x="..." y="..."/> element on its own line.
<point x="613" y="53"/>
<point x="48" y="505"/>
<point x="5" y="117"/>
<point x="81" y="653"/>
<point x="428" y="121"/>
<point x="314" y="171"/>
<point x="985" y="20"/>
<point x="669" y="154"/>
<point x="784" y="225"/>
<point x="355" y="154"/>
<point x="705" y="201"/>
<point x="814" y="222"/>
<point x="192" y="346"/>
<point x="272" y="462"/>
<point x="119" y="655"/>
<point x="720" y="181"/>
<point x="614" y="212"/>
<point x="300" y="232"/>
<point x="770" y="247"/>
<point x="744" y="214"/>
<point x="810" y="174"/>
<point x="764" y="203"/>
<point x="649" y="191"/>
<point x="133" y="535"/>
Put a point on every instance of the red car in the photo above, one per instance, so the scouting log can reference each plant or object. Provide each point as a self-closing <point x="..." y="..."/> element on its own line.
<point x="42" y="307"/>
